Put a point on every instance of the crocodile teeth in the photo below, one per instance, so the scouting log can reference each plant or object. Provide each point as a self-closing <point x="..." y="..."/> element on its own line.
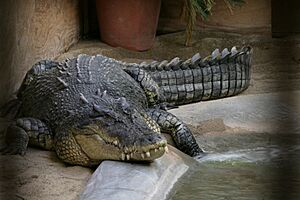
<point x="166" y="149"/>
<point x="155" y="150"/>
<point x="161" y="148"/>
<point x="115" y="143"/>
<point x="142" y="155"/>
<point x="123" y="156"/>
<point x="148" y="154"/>
<point x="131" y="155"/>
<point x="128" y="157"/>
<point x="126" y="149"/>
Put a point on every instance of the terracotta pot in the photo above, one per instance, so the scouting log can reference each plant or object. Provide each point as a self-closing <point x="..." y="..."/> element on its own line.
<point x="128" y="23"/>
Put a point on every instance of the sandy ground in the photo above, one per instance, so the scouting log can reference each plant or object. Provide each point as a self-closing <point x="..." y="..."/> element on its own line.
<point x="40" y="175"/>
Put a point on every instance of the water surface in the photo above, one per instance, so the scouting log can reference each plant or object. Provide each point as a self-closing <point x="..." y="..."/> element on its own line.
<point x="260" y="170"/>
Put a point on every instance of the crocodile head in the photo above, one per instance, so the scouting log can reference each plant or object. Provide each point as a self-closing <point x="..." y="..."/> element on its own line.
<point x="118" y="131"/>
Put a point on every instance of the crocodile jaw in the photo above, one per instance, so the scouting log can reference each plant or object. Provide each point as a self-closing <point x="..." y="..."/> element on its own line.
<point x="97" y="149"/>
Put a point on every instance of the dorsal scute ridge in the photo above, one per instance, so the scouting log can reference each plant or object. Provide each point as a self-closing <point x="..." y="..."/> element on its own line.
<point x="195" y="61"/>
<point x="225" y="53"/>
<point x="153" y="65"/>
<point x="162" y="65"/>
<point x="175" y="63"/>
<point x="186" y="64"/>
<point x="215" y="54"/>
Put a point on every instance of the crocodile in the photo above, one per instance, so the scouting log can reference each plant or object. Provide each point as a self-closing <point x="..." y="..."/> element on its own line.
<point x="93" y="108"/>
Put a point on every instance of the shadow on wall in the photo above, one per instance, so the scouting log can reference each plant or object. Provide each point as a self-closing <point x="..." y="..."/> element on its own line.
<point x="172" y="14"/>
<point x="285" y="18"/>
<point x="285" y="22"/>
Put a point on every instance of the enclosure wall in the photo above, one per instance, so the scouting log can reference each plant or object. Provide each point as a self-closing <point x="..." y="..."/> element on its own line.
<point x="32" y="30"/>
<point x="252" y="17"/>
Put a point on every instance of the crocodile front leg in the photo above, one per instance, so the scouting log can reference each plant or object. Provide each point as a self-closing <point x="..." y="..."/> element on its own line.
<point x="179" y="131"/>
<point x="146" y="82"/>
<point x="26" y="131"/>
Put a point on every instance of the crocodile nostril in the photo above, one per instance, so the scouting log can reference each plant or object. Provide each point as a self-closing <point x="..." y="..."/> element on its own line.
<point x="154" y="138"/>
<point x="150" y="139"/>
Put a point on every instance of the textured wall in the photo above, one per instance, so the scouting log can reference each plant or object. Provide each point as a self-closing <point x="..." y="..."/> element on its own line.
<point x="254" y="16"/>
<point x="32" y="30"/>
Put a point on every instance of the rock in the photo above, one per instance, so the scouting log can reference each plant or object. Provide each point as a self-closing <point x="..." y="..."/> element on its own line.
<point x="261" y="113"/>
<point x="115" y="180"/>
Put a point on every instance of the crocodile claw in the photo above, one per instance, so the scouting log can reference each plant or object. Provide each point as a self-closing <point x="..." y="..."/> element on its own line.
<point x="16" y="141"/>
<point x="201" y="155"/>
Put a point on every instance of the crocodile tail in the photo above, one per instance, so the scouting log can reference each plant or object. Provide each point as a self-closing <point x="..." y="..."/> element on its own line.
<point x="219" y="75"/>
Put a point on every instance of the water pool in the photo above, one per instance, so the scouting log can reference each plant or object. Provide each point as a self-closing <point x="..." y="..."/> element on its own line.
<point x="268" y="171"/>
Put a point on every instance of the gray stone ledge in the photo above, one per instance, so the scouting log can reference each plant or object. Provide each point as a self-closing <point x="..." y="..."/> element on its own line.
<point x="261" y="113"/>
<point x="115" y="180"/>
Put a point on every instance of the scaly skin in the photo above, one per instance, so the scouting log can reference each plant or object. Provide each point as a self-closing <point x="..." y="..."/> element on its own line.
<point x="93" y="108"/>
<point x="196" y="79"/>
<point x="180" y="82"/>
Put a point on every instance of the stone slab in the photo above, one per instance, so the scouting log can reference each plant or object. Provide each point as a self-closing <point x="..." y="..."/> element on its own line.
<point x="268" y="113"/>
<point x="115" y="180"/>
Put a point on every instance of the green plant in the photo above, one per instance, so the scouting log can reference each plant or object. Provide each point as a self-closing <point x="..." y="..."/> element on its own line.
<point x="203" y="9"/>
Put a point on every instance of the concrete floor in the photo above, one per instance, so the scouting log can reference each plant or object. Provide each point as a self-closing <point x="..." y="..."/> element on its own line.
<point x="272" y="96"/>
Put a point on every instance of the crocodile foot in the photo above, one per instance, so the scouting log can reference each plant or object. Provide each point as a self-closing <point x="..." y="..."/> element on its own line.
<point x="16" y="141"/>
